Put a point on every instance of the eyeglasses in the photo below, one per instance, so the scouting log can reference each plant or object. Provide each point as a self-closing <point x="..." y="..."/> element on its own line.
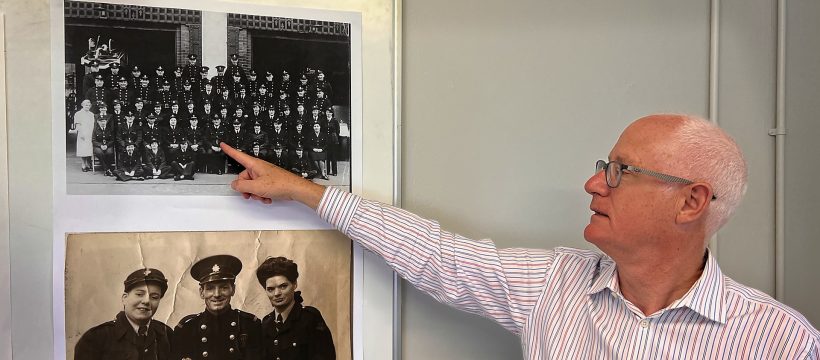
<point x="614" y="170"/>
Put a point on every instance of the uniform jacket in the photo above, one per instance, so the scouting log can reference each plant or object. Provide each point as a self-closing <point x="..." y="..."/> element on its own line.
<point x="303" y="336"/>
<point x="185" y="157"/>
<point x="214" y="136"/>
<point x="154" y="160"/>
<point x="130" y="163"/>
<point x="195" y="136"/>
<point x="117" y="339"/>
<point x="173" y="136"/>
<point x="103" y="137"/>
<point x="125" y="133"/>
<point x="237" y="140"/>
<point x="148" y="132"/>
<point x="234" y="334"/>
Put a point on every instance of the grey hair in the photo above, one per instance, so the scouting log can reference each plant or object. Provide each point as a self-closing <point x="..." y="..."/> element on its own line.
<point x="712" y="156"/>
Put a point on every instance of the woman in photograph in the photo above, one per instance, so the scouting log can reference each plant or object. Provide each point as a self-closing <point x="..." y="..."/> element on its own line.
<point x="84" y="126"/>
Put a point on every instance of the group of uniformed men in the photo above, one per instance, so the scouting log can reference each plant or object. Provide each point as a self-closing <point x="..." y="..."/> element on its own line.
<point x="290" y="331"/>
<point x="163" y="126"/>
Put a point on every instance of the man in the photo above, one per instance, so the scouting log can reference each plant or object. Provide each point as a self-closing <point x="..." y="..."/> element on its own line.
<point x="97" y="94"/>
<point x="234" y="84"/>
<point x="218" y="81"/>
<point x="112" y="76"/>
<point x="264" y="98"/>
<point x="252" y="84"/>
<point x="670" y="183"/>
<point x="133" y="334"/>
<point x="128" y="131"/>
<point x="117" y="116"/>
<point x="150" y="130"/>
<point x="207" y="94"/>
<point x="123" y="94"/>
<point x="102" y="139"/>
<point x="145" y="91"/>
<point x="321" y="101"/>
<point x="176" y="80"/>
<point x="278" y="134"/>
<point x="165" y="97"/>
<point x="285" y="83"/>
<point x="184" y="164"/>
<point x="136" y="74"/>
<point x="214" y="159"/>
<point x="190" y="110"/>
<point x="155" y="165"/>
<point x="219" y="332"/>
<point x="323" y="85"/>
<point x="199" y="89"/>
<point x="258" y="136"/>
<point x="235" y="68"/>
<point x="187" y="93"/>
<point x="291" y="331"/>
<point x="238" y="139"/>
<point x="129" y="166"/>
<point x="302" y="165"/>
<point x="172" y="138"/>
<point x="280" y="156"/>
<point x="90" y="77"/>
<point x="191" y="71"/>
<point x="158" y="79"/>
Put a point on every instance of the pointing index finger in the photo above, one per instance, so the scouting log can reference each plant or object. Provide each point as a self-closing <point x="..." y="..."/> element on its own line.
<point x="244" y="159"/>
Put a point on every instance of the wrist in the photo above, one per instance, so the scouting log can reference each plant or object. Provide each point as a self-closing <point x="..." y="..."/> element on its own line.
<point x="308" y="193"/>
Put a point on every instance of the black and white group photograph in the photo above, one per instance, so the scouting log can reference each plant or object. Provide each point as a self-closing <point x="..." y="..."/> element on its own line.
<point x="151" y="92"/>
<point x="214" y="295"/>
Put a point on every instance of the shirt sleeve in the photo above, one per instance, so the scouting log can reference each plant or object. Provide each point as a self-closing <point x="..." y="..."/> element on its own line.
<point x="470" y="275"/>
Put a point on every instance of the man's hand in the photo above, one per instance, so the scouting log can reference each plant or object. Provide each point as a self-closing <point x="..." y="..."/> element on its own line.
<point x="266" y="182"/>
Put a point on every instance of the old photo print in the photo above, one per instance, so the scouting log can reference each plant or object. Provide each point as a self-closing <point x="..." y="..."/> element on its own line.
<point x="105" y="273"/>
<point x="150" y="92"/>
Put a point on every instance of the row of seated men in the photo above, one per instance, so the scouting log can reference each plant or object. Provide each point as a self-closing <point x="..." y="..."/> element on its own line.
<point x="235" y="84"/>
<point x="279" y="146"/>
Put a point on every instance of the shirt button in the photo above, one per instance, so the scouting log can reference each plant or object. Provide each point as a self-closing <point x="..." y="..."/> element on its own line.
<point x="644" y="324"/>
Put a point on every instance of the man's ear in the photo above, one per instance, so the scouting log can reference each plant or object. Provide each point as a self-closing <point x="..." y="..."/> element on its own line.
<point x="698" y="197"/>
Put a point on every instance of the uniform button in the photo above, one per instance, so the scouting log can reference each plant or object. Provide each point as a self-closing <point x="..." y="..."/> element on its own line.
<point x="204" y="339"/>
<point x="275" y="342"/>
<point x="146" y="350"/>
<point x="294" y="344"/>
<point x="644" y="324"/>
<point x="203" y="327"/>
<point x="230" y="350"/>
<point x="233" y="323"/>
<point x="232" y="337"/>
<point x="204" y="354"/>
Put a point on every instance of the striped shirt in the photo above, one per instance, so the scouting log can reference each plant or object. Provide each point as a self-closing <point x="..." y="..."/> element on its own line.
<point x="566" y="303"/>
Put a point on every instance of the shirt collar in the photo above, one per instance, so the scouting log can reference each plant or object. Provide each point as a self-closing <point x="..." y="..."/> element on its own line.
<point x="706" y="296"/>
<point x="286" y="312"/>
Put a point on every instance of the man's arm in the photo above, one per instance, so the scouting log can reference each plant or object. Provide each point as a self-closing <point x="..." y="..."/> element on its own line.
<point x="472" y="275"/>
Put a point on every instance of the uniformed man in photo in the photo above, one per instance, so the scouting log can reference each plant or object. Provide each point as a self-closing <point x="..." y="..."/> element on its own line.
<point x="129" y="164"/>
<point x="219" y="332"/>
<point x="191" y="71"/>
<point x="235" y="68"/>
<point x="144" y="90"/>
<point x="184" y="164"/>
<point x="218" y="81"/>
<point x="123" y="93"/>
<point x="133" y="334"/>
<point x="98" y="93"/>
<point x="90" y="77"/>
<point x="103" y="141"/>
<point x="134" y="80"/>
<point x="158" y="78"/>
<point x="252" y="83"/>
<point x="291" y="331"/>
<point x="112" y="76"/>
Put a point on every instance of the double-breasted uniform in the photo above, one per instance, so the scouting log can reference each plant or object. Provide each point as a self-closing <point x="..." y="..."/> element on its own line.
<point x="233" y="334"/>
<point x="117" y="339"/>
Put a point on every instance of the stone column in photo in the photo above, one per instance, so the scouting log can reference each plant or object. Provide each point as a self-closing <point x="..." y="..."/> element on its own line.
<point x="214" y="40"/>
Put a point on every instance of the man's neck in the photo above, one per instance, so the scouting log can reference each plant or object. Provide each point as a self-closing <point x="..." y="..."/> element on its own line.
<point x="655" y="284"/>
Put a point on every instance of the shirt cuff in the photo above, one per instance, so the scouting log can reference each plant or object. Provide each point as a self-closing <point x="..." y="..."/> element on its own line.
<point x="337" y="207"/>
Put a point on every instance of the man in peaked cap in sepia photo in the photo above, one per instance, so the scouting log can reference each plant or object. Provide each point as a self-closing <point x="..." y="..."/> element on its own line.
<point x="133" y="334"/>
<point x="219" y="332"/>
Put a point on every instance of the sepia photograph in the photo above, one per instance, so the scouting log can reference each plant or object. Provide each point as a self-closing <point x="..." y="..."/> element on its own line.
<point x="151" y="92"/>
<point x="219" y="295"/>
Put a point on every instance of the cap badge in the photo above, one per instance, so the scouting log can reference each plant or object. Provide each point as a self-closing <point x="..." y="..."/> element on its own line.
<point x="146" y="272"/>
<point x="215" y="268"/>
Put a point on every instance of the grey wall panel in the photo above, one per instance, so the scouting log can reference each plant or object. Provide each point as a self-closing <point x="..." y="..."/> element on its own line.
<point x="802" y="153"/>
<point x="747" y="86"/>
<point x="506" y="107"/>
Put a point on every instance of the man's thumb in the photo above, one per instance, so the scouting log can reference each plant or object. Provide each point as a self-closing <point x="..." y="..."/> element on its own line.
<point x="245" y="186"/>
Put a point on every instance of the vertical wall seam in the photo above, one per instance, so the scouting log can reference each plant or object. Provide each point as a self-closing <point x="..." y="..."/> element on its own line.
<point x="780" y="157"/>
<point x="714" y="58"/>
